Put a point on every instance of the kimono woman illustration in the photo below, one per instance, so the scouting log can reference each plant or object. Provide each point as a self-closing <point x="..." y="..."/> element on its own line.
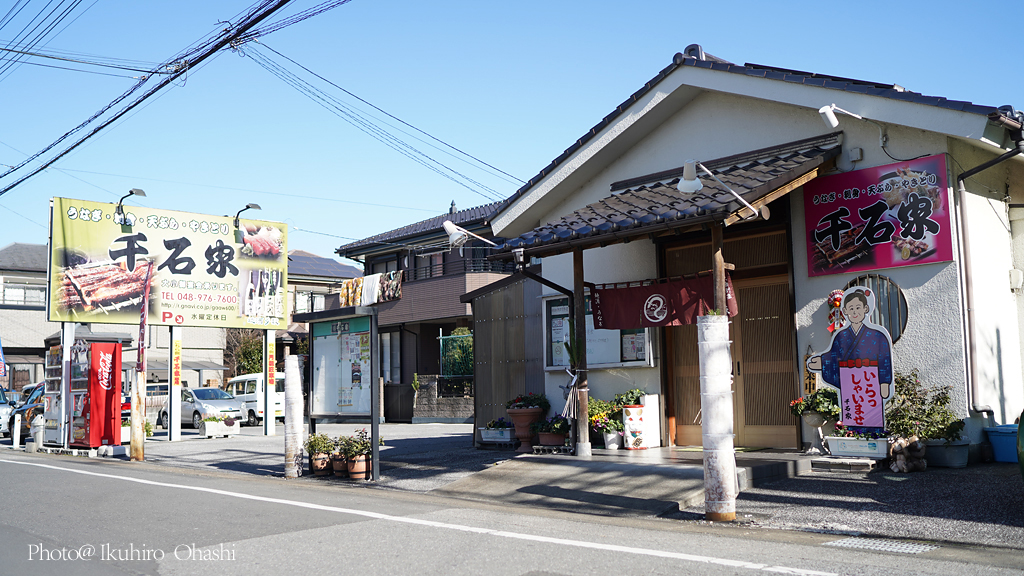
<point x="859" y="362"/>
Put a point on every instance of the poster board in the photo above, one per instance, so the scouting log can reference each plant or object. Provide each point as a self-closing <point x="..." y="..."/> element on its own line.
<point x="605" y="348"/>
<point x="199" y="270"/>
<point x="341" y="356"/>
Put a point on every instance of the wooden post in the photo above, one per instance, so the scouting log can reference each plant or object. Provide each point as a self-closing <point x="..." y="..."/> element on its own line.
<point x="580" y="323"/>
<point x="718" y="269"/>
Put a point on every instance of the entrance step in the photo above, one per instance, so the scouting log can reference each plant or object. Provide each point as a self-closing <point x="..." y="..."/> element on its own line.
<point x="839" y="464"/>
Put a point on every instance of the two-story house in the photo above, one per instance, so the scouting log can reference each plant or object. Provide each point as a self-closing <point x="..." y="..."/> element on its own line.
<point x="433" y="278"/>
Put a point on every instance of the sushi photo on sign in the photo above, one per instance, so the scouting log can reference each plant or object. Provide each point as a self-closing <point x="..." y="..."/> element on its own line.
<point x="261" y="242"/>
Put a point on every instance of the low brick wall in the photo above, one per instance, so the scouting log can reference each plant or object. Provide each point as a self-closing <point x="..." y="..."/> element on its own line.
<point x="429" y="408"/>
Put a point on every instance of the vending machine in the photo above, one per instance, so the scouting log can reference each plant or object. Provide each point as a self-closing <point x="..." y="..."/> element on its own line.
<point x="94" y="409"/>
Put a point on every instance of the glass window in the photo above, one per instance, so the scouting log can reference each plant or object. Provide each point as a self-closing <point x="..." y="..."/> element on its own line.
<point x="318" y="302"/>
<point x="436" y="264"/>
<point x="250" y="386"/>
<point x="890" y="304"/>
<point x="385" y="356"/>
<point x="301" y="302"/>
<point x="384" y="266"/>
<point x="279" y="385"/>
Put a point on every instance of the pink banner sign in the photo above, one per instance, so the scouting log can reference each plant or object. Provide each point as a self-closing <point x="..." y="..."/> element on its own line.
<point x="862" y="396"/>
<point x="881" y="217"/>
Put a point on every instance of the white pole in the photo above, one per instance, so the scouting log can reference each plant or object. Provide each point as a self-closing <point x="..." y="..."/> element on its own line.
<point x="68" y="340"/>
<point x="717" y="422"/>
<point x="292" y="418"/>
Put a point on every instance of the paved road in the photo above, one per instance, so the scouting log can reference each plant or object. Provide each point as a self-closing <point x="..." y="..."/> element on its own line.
<point x="142" y="518"/>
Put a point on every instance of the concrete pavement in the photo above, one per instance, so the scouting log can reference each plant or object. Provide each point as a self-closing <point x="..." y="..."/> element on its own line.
<point x="982" y="504"/>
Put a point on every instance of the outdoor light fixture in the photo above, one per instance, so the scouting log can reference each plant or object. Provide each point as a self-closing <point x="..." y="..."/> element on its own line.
<point x="247" y="206"/>
<point x="458" y="236"/>
<point x="519" y="255"/>
<point x="828" y="114"/>
<point x="689" y="183"/>
<point x="119" y="211"/>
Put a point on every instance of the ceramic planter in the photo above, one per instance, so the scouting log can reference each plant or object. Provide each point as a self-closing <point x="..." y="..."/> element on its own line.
<point x="359" y="467"/>
<point x="813" y="419"/>
<point x="522" y="418"/>
<point x="497" y="435"/>
<point x="857" y="447"/>
<point x="551" y="439"/>
<point x="612" y="440"/>
<point x="320" y="463"/>
<point x="952" y="455"/>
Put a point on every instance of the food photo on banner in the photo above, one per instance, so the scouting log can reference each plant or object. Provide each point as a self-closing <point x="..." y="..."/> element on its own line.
<point x="193" y="269"/>
<point x="881" y="217"/>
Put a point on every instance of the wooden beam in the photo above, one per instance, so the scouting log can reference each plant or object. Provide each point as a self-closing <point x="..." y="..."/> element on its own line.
<point x="778" y="193"/>
<point x="718" y="268"/>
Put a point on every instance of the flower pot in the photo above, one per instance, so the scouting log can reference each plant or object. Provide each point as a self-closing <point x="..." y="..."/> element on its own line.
<point x="551" y="439"/>
<point x="813" y="419"/>
<point x="858" y="447"/>
<point x="320" y="463"/>
<point x="952" y="455"/>
<point x="612" y="440"/>
<point x="522" y="418"/>
<point x="496" y="435"/>
<point x="211" y="429"/>
<point x="339" y="464"/>
<point x="359" y="467"/>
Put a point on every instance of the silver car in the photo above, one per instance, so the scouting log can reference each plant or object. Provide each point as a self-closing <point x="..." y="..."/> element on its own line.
<point x="6" y="407"/>
<point x="200" y="403"/>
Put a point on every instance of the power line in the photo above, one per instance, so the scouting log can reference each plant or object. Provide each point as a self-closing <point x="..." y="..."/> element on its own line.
<point x="389" y="115"/>
<point x="257" y="14"/>
<point x="370" y="128"/>
<point x="81" y="61"/>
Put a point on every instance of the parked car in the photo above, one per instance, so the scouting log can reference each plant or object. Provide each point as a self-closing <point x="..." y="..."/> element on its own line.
<point x="32" y="405"/>
<point x="200" y="403"/>
<point x="248" y="388"/>
<point x="6" y="408"/>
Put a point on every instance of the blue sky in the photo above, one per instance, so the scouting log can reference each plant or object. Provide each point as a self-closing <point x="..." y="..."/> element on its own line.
<point x="514" y="84"/>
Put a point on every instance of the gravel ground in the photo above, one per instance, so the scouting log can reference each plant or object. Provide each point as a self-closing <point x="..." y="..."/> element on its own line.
<point x="982" y="504"/>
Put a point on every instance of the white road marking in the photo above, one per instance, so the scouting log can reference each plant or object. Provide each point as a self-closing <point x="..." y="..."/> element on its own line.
<point x="447" y="526"/>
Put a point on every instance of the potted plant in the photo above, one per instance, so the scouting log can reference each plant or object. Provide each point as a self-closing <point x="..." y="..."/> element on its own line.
<point x="218" y="426"/>
<point x="610" y="428"/>
<point x="817" y="408"/>
<point x="498" y="430"/>
<point x="319" y="447"/>
<point x="551" y="432"/>
<point x="357" y="451"/>
<point x="632" y="417"/>
<point x="914" y="410"/>
<point x="858" y="442"/>
<point x="338" y="462"/>
<point x="524" y="410"/>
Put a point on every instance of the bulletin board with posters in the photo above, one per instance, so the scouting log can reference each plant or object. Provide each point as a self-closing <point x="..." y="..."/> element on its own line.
<point x="198" y="270"/>
<point x="605" y="348"/>
<point x="342" y="358"/>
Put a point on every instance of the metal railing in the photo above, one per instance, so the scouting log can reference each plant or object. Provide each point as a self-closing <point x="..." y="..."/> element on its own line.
<point x="459" y="267"/>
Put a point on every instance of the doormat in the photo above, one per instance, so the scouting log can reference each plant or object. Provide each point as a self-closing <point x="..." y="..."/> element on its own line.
<point x="701" y="449"/>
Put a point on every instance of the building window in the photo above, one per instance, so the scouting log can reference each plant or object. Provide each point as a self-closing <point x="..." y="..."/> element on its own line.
<point x="318" y="302"/>
<point x="436" y="265"/>
<point x="24" y="295"/>
<point x="301" y="302"/>
<point x="384" y="266"/>
<point x="890" y="304"/>
<point x="391" y="357"/>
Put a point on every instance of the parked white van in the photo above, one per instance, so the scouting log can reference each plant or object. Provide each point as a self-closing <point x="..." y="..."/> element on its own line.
<point x="248" y="388"/>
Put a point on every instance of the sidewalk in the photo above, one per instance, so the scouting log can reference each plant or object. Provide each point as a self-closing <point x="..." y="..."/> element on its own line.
<point x="982" y="504"/>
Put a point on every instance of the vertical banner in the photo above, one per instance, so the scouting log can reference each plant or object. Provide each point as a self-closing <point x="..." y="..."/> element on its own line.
<point x="173" y="423"/>
<point x="882" y="217"/>
<point x="3" y="364"/>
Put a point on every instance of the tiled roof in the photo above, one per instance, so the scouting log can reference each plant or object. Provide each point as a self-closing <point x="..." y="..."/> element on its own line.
<point x="652" y="203"/>
<point x="696" y="58"/>
<point x="303" y="263"/>
<point x="435" y="224"/>
<point x="24" y="257"/>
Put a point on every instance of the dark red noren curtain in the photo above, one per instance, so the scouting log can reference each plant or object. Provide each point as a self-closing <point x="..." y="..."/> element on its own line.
<point x="666" y="304"/>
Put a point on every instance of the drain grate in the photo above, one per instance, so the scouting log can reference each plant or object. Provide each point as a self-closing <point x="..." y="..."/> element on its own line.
<point x="882" y="545"/>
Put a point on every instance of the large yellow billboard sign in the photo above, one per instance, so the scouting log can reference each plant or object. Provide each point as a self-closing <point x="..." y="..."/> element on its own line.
<point x="199" y="270"/>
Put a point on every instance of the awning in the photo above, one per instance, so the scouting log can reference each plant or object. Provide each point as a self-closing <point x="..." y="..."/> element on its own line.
<point x="157" y="365"/>
<point x="650" y="205"/>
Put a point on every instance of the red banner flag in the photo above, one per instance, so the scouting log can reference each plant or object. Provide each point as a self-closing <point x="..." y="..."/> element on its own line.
<point x="667" y="304"/>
